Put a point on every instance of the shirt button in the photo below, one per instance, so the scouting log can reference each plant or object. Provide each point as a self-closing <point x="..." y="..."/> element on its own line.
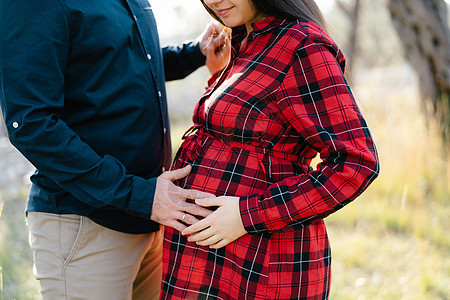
<point x="163" y="169"/>
<point x="15" y="125"/>
<point x="135" y="18"/>
<point x="165" y="130"/>
<point x="149" y="56"/>
<point x="159" y="94"/>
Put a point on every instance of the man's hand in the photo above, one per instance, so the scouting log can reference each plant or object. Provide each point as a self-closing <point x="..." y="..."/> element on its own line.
<point x="169" y="204"/>
<point x="220" y="228"/>
<point x="215" y="45"/>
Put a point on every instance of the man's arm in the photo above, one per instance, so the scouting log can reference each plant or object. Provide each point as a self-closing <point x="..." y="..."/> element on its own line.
<point x="34" y="48"/>
<point x="34" y="54"/>
<point x="180" y="61"/>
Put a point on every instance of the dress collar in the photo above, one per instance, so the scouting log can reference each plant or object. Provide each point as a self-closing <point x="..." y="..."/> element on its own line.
<point x="265" y="25"/>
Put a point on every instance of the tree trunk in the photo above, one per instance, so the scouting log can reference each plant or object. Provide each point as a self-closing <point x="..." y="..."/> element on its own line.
<point x="2" y="127"/>
<point x="423" y="29"/>
<point x="352" y="12"/>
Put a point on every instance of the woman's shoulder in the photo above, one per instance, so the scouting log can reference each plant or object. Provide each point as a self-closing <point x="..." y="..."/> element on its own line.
<point x="298" y="34"/>
<point x="301" y="31"/>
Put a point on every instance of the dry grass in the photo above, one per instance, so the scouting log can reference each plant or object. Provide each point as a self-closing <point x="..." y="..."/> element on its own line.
<point x="393" y="241"/>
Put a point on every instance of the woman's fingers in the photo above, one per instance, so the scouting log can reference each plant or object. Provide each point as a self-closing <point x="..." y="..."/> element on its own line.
<point x="220" y="244"/>
<point x="201" y="236"/>
<point x="197" y="227"/>
<point x="215" y="201"/>
<point x="210" y="241"/>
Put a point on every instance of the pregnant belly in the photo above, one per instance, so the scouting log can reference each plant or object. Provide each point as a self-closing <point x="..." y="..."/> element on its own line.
<point x="222" y="170"/>
<point x="225" y="170"/>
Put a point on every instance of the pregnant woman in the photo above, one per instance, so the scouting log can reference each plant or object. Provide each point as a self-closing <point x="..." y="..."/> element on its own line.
<point x="281" y="100"/>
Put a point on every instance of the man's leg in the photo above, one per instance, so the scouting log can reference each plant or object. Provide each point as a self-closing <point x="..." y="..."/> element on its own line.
<point x="76" y="258"/>
<point x="147" y="285"/>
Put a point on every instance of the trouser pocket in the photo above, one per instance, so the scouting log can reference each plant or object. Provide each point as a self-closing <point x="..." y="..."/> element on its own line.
<point x="70" y="236"/>
<point x="58" y="235"/>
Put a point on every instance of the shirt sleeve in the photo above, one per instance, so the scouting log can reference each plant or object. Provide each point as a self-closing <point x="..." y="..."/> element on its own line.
<point x="180" y="61"/>
<point x="34" y="50"/>
<point x="316" y="100"/>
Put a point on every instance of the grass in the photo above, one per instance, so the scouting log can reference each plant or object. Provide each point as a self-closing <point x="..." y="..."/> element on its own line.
<point x="393" y="241"/>
<point x="390" y="243"/>
<point x="15" y="254"/>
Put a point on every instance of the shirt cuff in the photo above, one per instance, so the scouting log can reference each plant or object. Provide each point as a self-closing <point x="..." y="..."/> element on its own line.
<point x="198" y="55"/>
<point x="250" y="215"/>
<point x="141" y="199"/>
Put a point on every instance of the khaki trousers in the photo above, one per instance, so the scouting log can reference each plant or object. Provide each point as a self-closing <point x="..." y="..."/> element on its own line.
<point x="75" y="258"/>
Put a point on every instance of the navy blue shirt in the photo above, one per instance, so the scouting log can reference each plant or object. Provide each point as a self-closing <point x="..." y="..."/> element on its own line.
<point x="83" y="99"/>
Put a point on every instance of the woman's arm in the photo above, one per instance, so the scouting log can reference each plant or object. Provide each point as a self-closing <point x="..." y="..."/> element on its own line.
<point x="317" y="101"/>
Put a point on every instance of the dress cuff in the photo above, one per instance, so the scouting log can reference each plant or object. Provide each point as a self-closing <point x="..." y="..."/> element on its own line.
<point x="251" y="218"/>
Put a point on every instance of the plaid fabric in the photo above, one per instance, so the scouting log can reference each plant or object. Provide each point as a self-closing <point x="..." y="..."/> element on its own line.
<point x="282" y="99"/>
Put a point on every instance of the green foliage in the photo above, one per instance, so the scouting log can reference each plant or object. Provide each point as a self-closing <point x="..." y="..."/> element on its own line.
<point x="15" y="254"/>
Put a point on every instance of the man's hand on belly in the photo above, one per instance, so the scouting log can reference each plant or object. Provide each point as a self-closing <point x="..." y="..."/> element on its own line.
<point x="170" y="207"/>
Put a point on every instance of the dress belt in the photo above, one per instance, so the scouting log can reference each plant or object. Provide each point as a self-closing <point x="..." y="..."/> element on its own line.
<point x="201" y="135"/>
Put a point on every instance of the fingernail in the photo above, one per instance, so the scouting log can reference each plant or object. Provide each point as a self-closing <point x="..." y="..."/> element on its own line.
<point x="198" y="201"/>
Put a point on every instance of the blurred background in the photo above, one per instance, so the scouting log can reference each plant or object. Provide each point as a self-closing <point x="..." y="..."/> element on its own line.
<point x="393" y="242"/>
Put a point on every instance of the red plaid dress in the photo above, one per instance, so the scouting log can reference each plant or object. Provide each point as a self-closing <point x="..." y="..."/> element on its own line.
<point x="282" y="99"/>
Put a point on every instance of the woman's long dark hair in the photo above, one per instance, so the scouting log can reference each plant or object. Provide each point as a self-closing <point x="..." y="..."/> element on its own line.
<point x="287" y="9"/>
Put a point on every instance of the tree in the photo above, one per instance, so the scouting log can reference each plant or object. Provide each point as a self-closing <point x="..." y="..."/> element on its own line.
<point x="352" y="12"/>
<point x="2" y="127"/>
<point x="423" y="29"/>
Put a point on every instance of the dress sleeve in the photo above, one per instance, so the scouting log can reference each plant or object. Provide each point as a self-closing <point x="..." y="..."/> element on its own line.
<point x="317" y="102"/>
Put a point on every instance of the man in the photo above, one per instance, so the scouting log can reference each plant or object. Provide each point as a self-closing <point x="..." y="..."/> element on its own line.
<point x="83" y="98"/>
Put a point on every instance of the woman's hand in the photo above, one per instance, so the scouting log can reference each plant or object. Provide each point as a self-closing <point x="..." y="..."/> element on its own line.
<point x="221" y="227"/>
<point x="215" y="45"/>
<point x="170" y="207"/>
